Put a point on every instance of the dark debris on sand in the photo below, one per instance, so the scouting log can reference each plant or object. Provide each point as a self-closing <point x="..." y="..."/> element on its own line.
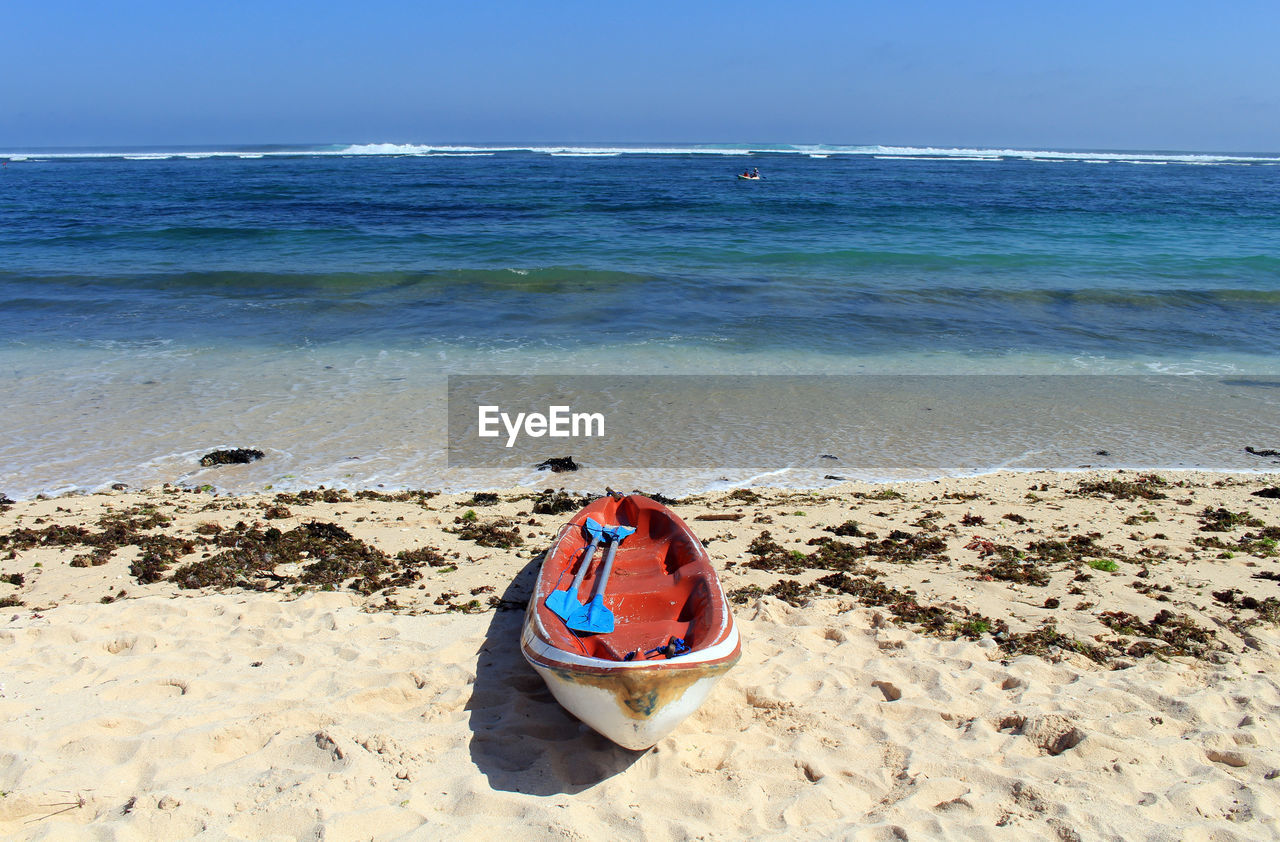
<point x="557" y="464"/>
<point x="234" y="456"/>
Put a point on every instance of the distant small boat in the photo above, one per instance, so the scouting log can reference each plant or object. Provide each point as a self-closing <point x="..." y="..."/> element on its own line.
<point x="749" y="177"/>
<point x="674" y="635"/>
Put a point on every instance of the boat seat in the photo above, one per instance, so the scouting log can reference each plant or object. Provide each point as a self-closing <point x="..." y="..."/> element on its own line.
<point x="645" y="583"/>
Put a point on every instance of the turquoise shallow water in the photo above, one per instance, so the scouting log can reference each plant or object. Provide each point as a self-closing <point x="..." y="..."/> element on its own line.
<point x="143" y="282"/>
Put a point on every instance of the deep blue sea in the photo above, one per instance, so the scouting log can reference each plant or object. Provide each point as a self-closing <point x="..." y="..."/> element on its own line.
<point x="157" y="302"/>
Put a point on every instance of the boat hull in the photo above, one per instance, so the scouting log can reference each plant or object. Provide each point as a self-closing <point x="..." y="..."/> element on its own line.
<point x="663" y="587"/>
<point x="636" y="707"/>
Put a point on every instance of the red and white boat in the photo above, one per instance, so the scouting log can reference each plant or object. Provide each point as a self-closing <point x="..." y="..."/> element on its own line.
<point x="673" y="635"/>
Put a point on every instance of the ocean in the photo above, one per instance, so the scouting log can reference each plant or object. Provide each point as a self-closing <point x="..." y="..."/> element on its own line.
<point x="311" y="302"/>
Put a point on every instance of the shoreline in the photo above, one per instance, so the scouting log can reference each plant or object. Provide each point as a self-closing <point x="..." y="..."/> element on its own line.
<point x="537" y="480"/>
<point x="1085" y="653"/>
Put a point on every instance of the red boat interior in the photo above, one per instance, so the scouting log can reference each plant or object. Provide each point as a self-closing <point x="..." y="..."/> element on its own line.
<point x="662" y="585"/>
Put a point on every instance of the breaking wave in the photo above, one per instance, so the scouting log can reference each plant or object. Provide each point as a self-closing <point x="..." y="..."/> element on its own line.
<point x="814" y="151"/>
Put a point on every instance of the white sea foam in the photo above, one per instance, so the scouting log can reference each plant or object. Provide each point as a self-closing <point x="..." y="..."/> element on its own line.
<point x="601" y="151"/>
<point x="933" y="158"/>
<point x="1162" y="157"/>
<point x="584" y="151"/>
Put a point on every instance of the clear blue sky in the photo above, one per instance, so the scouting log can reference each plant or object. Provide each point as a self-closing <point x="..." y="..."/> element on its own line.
<point x="1079" y="74"/>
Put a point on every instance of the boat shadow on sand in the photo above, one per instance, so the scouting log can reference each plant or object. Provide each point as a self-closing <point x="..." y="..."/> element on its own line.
<point x="521" y="739"/>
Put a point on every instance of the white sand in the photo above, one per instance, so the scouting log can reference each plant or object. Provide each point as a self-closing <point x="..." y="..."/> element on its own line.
<point x="173" y="714"/>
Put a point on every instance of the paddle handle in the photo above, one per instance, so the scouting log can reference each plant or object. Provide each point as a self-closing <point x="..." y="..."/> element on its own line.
<point x="586" y="562"/>
<point x="605" y="569"/>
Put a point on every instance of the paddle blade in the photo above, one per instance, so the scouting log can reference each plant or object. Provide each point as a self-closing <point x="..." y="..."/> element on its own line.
<point x="594" y="618"/>
<point x="564" y="604"/>
<point x="594" y="530"/>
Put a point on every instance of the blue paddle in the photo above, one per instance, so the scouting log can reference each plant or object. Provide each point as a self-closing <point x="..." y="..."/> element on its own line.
<point x="594" y="617"/>
<point x="564" y="604"/>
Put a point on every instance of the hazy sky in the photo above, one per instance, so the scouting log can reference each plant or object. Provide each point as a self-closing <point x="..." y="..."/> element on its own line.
<point x="1080" y="74"/>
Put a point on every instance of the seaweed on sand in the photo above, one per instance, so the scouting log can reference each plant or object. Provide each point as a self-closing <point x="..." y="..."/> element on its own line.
<point x="319" y="554"/>
<point x="1262" y="544"/>
<point x="768" y="554"/>
<point x="550" y="502"/>
<point x="159" y="553"/>
<point x="419" y="497"/>
<point x="840" y="556"/>
<point x="96" y="558"/>
<point x="1046" y="641"/>
<point x="1179" y="633"/>
<point x="503" y="534"/>
<point x="902" y="604"/>
<point x="879" y="494"/>
<point x="115" y="530"/>
<point x="1008" y="569"/>
<point x="429" y="556"/>
<point x="316" y="495"/>
<point x="330" y="557"/>
<point x="1146" y="486"/>
<point x="899" y="547"/>
<point x="1222" y="520"/>
<point x="56" y="535"/>
<point x="849" y="529"/>
<point x="905" y="548"/>
<point x="1073" y="550"/>
<point x="791" y="591"/>
<point x="739" y="596"/>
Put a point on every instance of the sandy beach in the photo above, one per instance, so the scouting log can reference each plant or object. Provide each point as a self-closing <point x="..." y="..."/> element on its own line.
<point x="1020" y="655"/>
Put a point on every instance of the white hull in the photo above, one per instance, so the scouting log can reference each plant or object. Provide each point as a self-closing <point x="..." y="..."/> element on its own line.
<point x="599" y="708"/>
<point x="635" y="704"/>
